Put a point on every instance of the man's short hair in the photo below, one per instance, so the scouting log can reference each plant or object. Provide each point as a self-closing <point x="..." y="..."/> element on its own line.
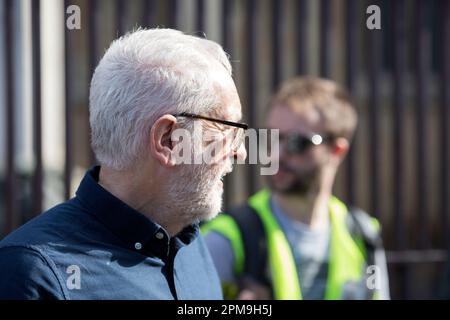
<point x="330" y="100"/>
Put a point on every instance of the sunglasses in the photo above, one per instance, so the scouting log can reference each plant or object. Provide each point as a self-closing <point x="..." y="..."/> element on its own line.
<point x="296" y="143"/>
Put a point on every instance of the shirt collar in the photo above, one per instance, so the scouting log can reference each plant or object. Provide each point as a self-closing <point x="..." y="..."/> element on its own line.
<point x="138" y="232"/>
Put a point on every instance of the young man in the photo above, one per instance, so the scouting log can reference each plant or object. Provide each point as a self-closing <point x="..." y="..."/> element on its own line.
<point x="295" y="240"/>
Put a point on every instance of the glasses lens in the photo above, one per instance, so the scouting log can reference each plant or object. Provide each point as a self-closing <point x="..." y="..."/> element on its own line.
<point x="298" y="144"/>
<point x="238" y="139"/>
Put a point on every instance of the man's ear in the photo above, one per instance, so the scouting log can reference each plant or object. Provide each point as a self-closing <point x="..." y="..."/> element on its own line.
<point x="340" y="148"/>
<point x="161" y="141"/>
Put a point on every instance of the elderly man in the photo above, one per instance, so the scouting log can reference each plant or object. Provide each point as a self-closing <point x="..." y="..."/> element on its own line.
<point x="131" y="231"/>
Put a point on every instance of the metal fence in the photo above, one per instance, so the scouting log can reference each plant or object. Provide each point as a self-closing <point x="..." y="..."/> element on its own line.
<point x="398" y="167"/>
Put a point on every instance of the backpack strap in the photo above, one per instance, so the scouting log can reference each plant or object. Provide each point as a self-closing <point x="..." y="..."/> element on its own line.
<point x="255" y="244"/>
<point x="362" y="226"/>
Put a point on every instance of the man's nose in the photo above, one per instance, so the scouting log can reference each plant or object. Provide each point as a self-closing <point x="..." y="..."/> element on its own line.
<point x="241" y="153"/>
<point x="282" y="150"/>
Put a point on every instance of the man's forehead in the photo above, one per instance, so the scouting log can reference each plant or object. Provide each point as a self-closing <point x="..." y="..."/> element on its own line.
<point x="235" y="112"/>
<point x="225" y="88"/>
<point x="230" y="112"/>
<point x="284" y="118"/>
<point x="231" y="106"/>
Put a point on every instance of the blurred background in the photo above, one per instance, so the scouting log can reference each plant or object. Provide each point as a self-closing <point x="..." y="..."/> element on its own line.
<point x="398" y="167"/>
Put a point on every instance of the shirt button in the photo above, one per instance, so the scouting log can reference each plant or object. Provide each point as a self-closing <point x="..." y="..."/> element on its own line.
<point x="159" y="235"/>
<point x="138" y="246"/>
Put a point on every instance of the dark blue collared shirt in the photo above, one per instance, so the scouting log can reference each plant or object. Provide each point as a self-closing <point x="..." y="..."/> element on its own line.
<point x="94" y="246"/>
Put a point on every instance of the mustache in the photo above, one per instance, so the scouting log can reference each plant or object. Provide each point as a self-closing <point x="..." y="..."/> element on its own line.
<point x="286" y="167"/>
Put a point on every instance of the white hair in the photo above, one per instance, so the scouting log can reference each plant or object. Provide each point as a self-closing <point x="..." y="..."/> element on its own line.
<point x="142" y="76"/>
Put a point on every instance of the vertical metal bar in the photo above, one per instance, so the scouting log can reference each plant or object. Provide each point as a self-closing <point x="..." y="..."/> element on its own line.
<point x="251" y="60"/>
<point x="422" y="89"/>
<point x="92" y="45"/>
<point x="325" y="38"/>
<point x="375" y="44"/>
<point x="302" y="36"/>
<point x="226" y="25"/>
<point x="226" y="43"/>
<point x="172" y="13"/>
<point x="92" y="53"/>
<point x="399" y="47"/>
<point x="445" y="115"/>
<point x="11" y="204"/>
<point x="37" y="117"/>
<point x="200" y="23"/>
<point x="399" y="51"/>
<point x="148" y="19"/>
<point x="276" y="43"/>
<point x="351" y="64"/>
<point x="121" y="13"/>
<point x="68" y="163"/>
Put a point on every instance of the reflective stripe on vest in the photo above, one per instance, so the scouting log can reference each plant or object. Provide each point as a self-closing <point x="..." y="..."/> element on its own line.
<point x="282" y="266"/>
<point x="346" y="257"/>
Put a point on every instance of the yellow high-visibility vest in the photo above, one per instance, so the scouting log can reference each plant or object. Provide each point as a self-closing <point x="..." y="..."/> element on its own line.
<point x="346" y="260"/>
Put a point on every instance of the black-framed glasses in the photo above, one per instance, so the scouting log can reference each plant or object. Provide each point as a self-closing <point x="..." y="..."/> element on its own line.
<point x="297" y="143"/>
<point x="239" y="132"/>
